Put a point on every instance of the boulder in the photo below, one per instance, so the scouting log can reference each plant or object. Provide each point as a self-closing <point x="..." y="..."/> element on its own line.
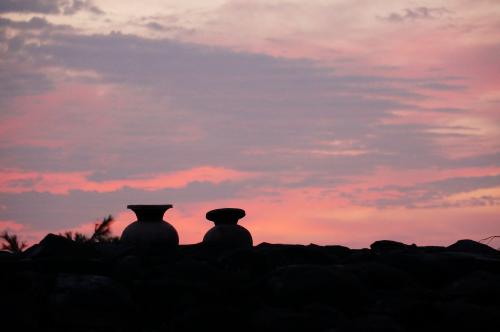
<point x="288" y="254"/>
<point x="460" y="315"/>
<point x="6" y="256"/>
<point x="388" y="245"/>
<point x="269" y="318"/>
<point x="299" y="284"/>
<point x="376" y="323"/>
<point x="89" y="301"/>
<point x="59" y="285"/>
<point x="382" y="276"/>
<point x="473" y="247"/>
<point x="58" y="246"/>
<point x="478" y="287"/>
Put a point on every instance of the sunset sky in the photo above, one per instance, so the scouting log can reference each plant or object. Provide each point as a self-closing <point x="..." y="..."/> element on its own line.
<point x="329" y="122"/>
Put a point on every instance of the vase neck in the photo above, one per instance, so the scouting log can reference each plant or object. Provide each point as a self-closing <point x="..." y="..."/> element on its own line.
<point x="149" y="213"/>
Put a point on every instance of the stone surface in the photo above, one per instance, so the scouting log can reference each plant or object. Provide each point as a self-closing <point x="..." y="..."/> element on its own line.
<point x="388" y="245"/>
<point x="472" y="247"/>
<point x="88" y="300"/>
<point x="60" y="285"/>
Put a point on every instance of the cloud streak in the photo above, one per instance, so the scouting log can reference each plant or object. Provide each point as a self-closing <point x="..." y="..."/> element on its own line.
<point x="63" y="183"/>
<point x="65" y="7"/>
<point x="417" y="13"/>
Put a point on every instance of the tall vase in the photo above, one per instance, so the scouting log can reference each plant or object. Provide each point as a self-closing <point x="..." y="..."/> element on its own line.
<point x="227" y="233"/>
<point x="150" y="229"/>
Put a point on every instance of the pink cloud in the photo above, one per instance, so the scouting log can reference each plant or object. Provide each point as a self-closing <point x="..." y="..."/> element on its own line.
<point x="386" y="176"/>
<point x="12" y="181"/>
<point x="11" y="226"/>
<point x="40" y="120"/>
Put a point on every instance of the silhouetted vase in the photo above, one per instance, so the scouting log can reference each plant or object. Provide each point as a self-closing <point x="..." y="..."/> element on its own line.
<point x="150" y="229"/>
<point x="227" y="233"/>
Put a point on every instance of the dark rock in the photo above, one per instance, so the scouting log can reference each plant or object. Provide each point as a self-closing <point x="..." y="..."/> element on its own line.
<point x="338" y="251"/>
<point x="296" y="284"/>
<point x="459" y="315"/>
<point x="6" y="256"/>
<point x="375" y="323"/>
<point x="128" y="268"/>
<point x="287" y="254"/>
<point x="22" y="300"/>
<point x="59" y="285"/>
<point x="473" y="247"/>
<point x="382" y="276"/>
<point x="432" y="249"/>
<point x="407" y="305"/>
<point x="89" y="301"/>
<point x="158" y="300"/>
<point x="279" y="319"/>
<point x="245" y="261"/>
<point x="477" y="287"/>
<point x="58" y="246"/>
<point x="434" y="269"/>
<point x="112" y="250"/>
<point x="359" y="255"/>
<point x="388" y="245"/>
<point x="210" y="318"/>
<point x="188" y="270"/>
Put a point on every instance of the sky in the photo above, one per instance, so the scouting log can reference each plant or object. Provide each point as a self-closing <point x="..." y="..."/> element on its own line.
<point x="329" y="122"/>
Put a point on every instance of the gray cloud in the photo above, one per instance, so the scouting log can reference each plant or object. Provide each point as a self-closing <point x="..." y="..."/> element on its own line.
<point x="34" y="23"/>
<point x="433" y="194"/>
<point x="66" y="7"/>
<point x="155" y="26"/>
<point x="439" y="86"/>
<point x="17" y="80"/>
<point x="237" y="103"/>
<point x="417" y="13"/>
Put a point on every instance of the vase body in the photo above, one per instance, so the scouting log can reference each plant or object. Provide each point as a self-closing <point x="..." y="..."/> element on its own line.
<point x="150" y="229"/>
<point x="227" y="233"/>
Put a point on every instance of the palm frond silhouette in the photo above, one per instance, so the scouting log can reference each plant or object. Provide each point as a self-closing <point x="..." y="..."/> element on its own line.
<point x="102" y="233"/>
<point x="75" y="236"/>
<point x="12" y="243"/>
<point x="102" y="230"/>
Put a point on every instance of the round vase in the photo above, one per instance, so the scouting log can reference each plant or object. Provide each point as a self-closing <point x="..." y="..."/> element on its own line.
<point x="150" y="229"/>
<point x="227" y="233"/>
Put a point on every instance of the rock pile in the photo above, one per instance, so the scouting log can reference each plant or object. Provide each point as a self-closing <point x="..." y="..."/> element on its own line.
<point x="61" y="285"/>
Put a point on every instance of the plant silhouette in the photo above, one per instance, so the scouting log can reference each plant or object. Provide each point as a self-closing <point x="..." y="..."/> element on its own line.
<point x="102" y="230"/>
<point x="12" y="243"/>
<point x="489" y="239"/>
<point x="76" y="236"/>
<point x="102" y="233"/>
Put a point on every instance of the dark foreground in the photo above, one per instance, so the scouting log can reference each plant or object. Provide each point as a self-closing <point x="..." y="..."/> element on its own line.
<point x="60" y="285"/>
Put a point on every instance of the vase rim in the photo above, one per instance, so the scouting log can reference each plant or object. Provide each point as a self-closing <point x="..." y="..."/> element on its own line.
<point x="225" y="215"/>
<point x="150" y="206"/>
